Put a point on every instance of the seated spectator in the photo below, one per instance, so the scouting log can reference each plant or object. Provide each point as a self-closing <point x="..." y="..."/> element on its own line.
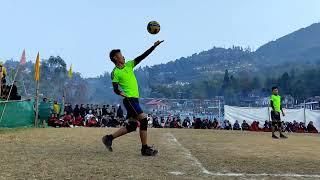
<point x="245" y="126"/>
<point x="162" y="122"/>
<point x="177" y="124"/>
<point x="88" y="117"/>
<point x="311" y="128"/>
<point x="255" y="126"/>
<point x="215" y="124"/>
<point x="227" y="125"/>
<point x="67" y="119"/>
<point x="105" y="120"/>
<point x="197" y="123"/>
<point x="289" y="127"/>
<point x="93" y="122"/>
<point x="295" y="126"/>
<point x="150" y="120"/>
<point x="185" y="123"/>
<point x="267" y="126"/>
<point x="54" y="121"/>
<point x="236" y="126"/>
<point x="156" y="123"/>
<point x="205" y="124"/>
<point x="78" y="121"/>
<point x="300" y="128"/>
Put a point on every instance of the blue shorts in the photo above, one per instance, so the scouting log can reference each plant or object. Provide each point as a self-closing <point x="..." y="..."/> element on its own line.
<point x="132" y="106"/>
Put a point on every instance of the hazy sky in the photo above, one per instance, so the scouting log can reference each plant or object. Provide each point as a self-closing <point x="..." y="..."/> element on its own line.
<point x="83" y="32"/>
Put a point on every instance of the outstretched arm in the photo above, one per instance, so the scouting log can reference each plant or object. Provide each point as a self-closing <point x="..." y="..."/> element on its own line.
<point x="138" y="59"/>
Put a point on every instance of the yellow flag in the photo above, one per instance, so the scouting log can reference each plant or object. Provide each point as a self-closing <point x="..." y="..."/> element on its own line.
<point x="37" y="68"/>
<point x="70" y="72"/>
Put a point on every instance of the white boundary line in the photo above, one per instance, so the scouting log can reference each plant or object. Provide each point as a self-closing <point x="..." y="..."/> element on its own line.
<point x="197" y="163"/>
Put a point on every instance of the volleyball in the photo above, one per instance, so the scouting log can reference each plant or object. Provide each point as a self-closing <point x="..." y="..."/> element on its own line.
<point x="153" y="27"/>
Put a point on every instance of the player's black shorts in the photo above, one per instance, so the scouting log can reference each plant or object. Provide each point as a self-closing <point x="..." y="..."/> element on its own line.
<point x="276" y="119"/>
<point x="132" y="106"/>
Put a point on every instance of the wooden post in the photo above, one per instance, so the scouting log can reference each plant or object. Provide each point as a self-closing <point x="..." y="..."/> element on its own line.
<point x="37" y="104"/>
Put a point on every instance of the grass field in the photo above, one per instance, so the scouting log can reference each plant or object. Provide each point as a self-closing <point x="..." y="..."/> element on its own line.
<point x="183" y="154"/>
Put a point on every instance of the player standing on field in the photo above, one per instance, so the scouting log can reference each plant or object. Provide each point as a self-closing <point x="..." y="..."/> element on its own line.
<point x="275" y="102"/>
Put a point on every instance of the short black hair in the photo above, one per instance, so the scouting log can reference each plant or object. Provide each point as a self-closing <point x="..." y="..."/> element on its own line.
<point x="274" y="87"/>
<point x="113" y="53"/>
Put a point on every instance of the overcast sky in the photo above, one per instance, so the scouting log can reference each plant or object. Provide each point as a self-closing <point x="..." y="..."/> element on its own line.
<point x="83" y="32"/>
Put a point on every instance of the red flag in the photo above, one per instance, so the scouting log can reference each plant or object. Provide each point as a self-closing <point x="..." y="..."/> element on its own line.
<point x="23" y="58"/>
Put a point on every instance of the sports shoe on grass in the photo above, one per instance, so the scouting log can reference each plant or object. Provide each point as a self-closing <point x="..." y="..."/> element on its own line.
<point x="283" y="136"/>
<point x="148" y="151"/>
<point x="107" y="141"/>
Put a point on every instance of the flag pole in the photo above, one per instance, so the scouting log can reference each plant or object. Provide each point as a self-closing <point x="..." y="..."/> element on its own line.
<point x="37" y="104"/>
<point x="37" y="78"/>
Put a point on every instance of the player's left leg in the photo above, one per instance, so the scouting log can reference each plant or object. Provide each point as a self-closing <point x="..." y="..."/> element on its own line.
<point x="280" y="125"/>
<point x="145" y="149"/>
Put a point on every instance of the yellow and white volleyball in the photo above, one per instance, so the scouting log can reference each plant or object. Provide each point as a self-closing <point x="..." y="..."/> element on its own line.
<point x="153" y="27"/>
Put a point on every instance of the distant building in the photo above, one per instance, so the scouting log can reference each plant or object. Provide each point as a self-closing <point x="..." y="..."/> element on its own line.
<point x="156" y="105"/>
<point x="288" y="101"/>
<point x="313" y="103"/>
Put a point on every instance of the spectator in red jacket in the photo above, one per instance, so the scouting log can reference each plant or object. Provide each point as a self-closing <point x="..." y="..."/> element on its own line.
<point x="67" y="119"/>
<point x="53" y="120"/>
<point x="255" y="126"/>
<point x="78" y="121"/>
<point x="311" y="128"/>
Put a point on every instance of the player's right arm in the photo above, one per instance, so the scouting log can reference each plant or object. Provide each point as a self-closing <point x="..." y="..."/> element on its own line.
<point x="115" y="84"/>
<point x="117" y="90"/>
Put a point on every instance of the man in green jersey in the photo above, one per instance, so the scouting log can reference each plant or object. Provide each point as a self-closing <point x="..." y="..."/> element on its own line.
<point x="275" y="102"/>
<point x="123" y="76"/>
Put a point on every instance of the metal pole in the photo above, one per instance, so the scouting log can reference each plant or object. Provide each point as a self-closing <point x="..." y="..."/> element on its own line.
<point x="219" y="111"/>
<point x="304" y="113"/>
<point x="269" y="113"/>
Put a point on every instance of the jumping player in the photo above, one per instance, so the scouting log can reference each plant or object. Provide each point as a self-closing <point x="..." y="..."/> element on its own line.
<point x="275" y="102"/>
<point x="123" y="75"/>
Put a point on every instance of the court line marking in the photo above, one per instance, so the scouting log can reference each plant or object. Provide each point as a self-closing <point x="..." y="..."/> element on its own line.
<point x="197" y="163"/>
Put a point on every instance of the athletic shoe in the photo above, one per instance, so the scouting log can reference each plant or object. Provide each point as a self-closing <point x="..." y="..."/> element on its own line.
<point x="283" y="136"/>
<point x="107" y="141"/>
<point x="275" y="137"/>
<point x="148" y="151"/>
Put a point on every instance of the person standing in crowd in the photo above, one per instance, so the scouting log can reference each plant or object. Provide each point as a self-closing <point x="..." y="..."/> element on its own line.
<point x="82" y="110"/>
<point x="56" y="108"/>
<point x="104" y="110"/>
<point x="113" y="112"/>
<point x="76" y="111"/>
<point x="87" y="109"/>
<point x="108" y="110"/>
<point x="14" y="92"/>
<point x="3" y="71"/>
<point x="120" y="112"/>
<point x="99" y="113"/>
<point x="68" y="108"/>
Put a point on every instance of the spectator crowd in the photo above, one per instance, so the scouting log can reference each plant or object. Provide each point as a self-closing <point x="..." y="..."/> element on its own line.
<point x="113" y="116"/>
<point x="89" y="116"/>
